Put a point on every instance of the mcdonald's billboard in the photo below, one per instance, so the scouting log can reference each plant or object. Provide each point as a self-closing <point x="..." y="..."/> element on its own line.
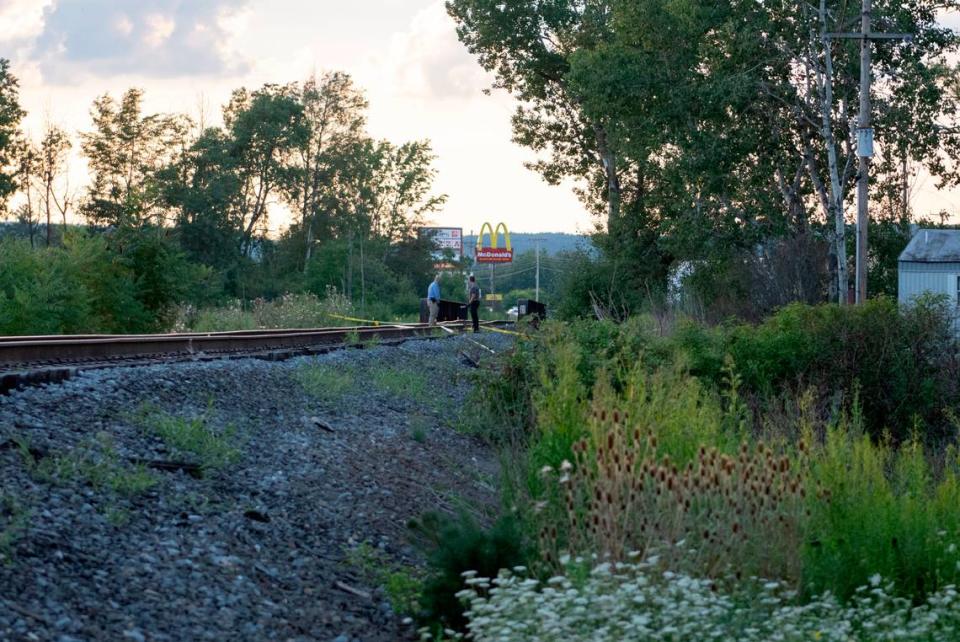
<point x="493" y="253"/>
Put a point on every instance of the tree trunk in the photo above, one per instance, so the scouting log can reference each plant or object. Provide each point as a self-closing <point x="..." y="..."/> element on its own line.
<point x="609" y="161"/>
<point x="309" y="252"/>
<point x="835" y="210"/>
<point x="46" y="202"/>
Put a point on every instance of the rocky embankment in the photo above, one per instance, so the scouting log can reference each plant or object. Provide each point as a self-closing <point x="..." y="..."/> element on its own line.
<point x="228" y="500"/>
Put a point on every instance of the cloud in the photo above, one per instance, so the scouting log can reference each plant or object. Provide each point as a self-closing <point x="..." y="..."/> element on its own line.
<point x="154" y="38"/>
<point x="428" y="61"/>
<point x="22" y="21"/>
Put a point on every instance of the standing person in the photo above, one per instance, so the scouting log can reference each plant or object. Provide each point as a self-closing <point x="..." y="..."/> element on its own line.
<point x="433" y="299"/>
<point x="474" y="302"/>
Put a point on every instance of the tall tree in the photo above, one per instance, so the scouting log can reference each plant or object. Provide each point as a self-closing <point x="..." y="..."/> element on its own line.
<point x="528" y="44"/>
<point x="27" y="171"/>
<point x="10" y="144"/>
<point x="334" y="111"/>
<point x="203" y="188"/>
<point x="399" y="196"/>
<point x="125" y="151"/>
<point x="265" y="128"/>
<point x="52" y="156"/>
<point x="701" y="125"/>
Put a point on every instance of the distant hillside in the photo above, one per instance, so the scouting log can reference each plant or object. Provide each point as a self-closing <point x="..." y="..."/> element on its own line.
<point x="550" y="242"/>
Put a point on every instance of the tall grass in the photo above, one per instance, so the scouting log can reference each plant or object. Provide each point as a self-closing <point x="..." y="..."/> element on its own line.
<point x="778" y="451"/>
<point x="288" y="311"/>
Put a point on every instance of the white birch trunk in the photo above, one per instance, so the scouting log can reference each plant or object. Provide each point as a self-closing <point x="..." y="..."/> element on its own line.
<point x="825" y="80"/>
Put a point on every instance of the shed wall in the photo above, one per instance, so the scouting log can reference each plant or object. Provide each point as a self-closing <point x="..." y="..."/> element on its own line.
<point x="916" y="278"/>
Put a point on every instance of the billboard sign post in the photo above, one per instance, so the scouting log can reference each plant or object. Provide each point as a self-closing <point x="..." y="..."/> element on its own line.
<point x="493" y="253"/>
<point x="445" y="238"/>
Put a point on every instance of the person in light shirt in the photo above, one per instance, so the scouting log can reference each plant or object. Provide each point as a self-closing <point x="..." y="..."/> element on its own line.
<point x="433" y="299"/>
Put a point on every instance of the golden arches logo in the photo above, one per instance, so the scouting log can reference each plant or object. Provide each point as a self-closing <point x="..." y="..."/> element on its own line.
<point x="493" y="253"/>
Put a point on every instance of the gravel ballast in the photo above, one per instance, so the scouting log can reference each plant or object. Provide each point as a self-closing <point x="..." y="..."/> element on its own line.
<point x="321" y="455"/>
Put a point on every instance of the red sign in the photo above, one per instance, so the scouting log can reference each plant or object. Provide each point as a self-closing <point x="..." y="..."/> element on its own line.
<point x="494" y="255"/>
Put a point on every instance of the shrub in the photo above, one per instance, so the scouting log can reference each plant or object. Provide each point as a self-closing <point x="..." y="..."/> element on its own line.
<point x="881" y="511"/>
<point x="904" y="362"/>
<point x="79" y="288"/>
<point x="456" y="546"/>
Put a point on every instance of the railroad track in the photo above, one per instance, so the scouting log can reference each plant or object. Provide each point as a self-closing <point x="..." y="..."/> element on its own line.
<point x="43" y="359"/>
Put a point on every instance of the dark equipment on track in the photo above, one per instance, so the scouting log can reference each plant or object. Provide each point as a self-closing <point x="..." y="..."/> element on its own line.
<point x="531" y="308"/>
<point x="449" y="311"/>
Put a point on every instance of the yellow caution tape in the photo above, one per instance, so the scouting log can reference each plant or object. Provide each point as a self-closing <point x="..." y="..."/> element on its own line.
<point x="376" y="323"/>
<point x="338" y="316"/>
<point x="502" y="331"/>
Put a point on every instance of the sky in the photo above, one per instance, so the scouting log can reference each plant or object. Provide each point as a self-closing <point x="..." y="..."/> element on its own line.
<point x="188" y="55"/>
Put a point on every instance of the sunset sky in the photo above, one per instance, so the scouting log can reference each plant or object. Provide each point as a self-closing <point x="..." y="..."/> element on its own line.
<point x="189" y="54"/>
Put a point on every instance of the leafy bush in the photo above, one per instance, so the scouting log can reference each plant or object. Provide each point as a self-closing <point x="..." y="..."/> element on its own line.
<point x="882" y="511"/>
<point x="88" y="286"/>
<point x="903" y="361"/>
<point x="79" y="288"/>
<point x="457" y="546"/>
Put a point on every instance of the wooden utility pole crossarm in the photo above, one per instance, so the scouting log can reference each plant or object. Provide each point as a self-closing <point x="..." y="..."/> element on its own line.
<point x="865" y="135"/>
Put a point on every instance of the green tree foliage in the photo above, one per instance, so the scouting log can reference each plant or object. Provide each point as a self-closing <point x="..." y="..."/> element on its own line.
<point x="10" y="116"/>
<point x="202" y="188"/>
<point x="81" y="287"/>
<point x="186" y="218"/>
<point x="125" y="151"/>
<point x="264" y="130"/>
<point x="701" y="129"/>
<point x="334" y="109"/>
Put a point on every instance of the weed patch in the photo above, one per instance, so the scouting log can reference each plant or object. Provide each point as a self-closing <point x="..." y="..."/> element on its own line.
<point x="403" y="384"/>
<point x="14" y="520"/>
<point x="213" y="448"/>
<point x="419" y="429"/>
<point x="325" y="383"/>
<point x="403" y="585"/>
<point x="96" y="463"/>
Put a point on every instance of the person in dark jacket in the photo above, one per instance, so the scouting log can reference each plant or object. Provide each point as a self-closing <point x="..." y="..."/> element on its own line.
<point x="474" y="302"/>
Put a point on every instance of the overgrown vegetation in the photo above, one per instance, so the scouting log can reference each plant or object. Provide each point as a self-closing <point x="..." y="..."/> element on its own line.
<point x="177" y="215"/>
<point x="777" y="451"/>
<point x="403" y="383"/>
<point x="401" y="584"/>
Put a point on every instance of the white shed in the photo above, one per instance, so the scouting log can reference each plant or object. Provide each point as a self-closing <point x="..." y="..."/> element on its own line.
<point x="930" y="263"/>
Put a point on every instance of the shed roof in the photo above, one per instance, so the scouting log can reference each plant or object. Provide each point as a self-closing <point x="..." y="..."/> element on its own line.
<point x="933" y="246"/>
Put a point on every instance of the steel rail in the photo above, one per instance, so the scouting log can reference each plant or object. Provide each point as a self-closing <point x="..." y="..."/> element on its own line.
<point x="56" y="337"/>
<point x="66" y="348"/>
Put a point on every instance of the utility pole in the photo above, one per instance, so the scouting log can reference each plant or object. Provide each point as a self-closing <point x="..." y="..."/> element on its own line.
<point x="537" y="295"/>
<point x="865" y="135"/>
